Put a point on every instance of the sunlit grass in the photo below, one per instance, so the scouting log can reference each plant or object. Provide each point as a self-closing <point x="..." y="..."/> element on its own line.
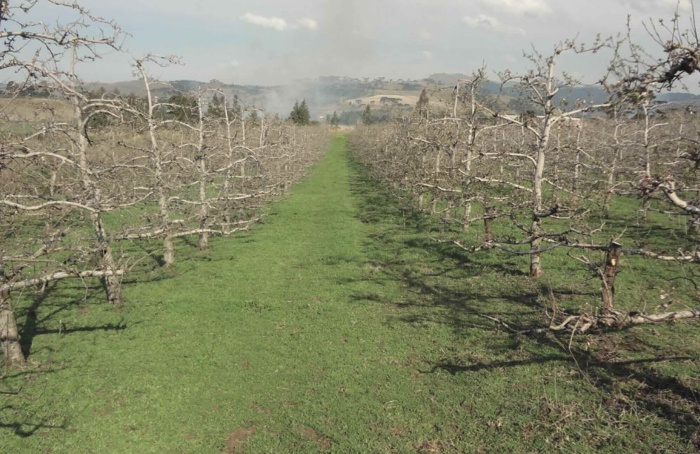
<point x="341" y="325"/>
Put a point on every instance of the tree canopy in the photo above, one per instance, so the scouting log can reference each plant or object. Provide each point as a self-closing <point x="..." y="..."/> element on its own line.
<point x="300" y="114"/>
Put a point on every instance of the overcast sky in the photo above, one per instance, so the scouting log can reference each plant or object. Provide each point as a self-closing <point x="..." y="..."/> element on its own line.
<point x="272" y="42"/>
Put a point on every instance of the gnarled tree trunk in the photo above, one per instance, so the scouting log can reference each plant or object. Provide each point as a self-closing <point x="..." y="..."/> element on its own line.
<point x="9" y="335"/>
<point x="612" y="264"/>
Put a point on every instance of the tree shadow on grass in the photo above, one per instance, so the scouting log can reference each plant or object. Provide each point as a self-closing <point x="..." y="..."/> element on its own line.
<point x="61" y="299"/>
<point x="153" y="250"/>
<point x="13" y="414"/>
<point x="27" y="429"/>
<point x="43" y="316"/>
<point x="448" y="286"/>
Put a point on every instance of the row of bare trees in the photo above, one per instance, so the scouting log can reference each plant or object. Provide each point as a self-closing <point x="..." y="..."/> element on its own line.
<point x="84" y="176"/>
<point x="546" y="178"/>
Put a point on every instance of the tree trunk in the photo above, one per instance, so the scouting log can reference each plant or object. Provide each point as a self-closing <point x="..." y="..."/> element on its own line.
<point x="694" y="225"/>
<point x="168" y="251"/>
<point x="9" y="336"/>
<point x="577" y="170"/>
<point x="611" y="182"/>
<point x="577" y="166"/>
<point x="612" y="169"/>
<point x="535" y="259"/>
<point x="164" y="217"/>
<point x="612" y="264"/>
<point x="93" y="194"/>
<point x="112" y="282"/>
<point x="694" y="221"/>
<point x="203" y="207"/>
<point x="645" y="209"/>
<point x="488" y="229"/>
<point x="467" y="215"/>
<point x="647" y="155"/>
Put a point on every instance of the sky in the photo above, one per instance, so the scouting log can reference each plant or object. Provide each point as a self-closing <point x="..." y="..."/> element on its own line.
<point x="266" y="42"/>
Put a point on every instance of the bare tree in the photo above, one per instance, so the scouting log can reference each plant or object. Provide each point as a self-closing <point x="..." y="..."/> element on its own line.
<point x="66" y="155"/>
<point x="541" y="85"/>
<point x="637" y="74"/>
<point x="574" y="167"/>
<point x="44" y="58"/>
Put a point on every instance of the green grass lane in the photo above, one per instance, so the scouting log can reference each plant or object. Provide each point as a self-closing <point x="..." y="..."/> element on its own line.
<point x="338" y="325"/>
<point x="260" y="344"/>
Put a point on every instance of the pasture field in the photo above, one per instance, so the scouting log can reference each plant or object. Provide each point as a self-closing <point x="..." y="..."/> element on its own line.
<point x="342" y="324"/>
<point x="386" y="98"/>
<point x="36" y="110"/>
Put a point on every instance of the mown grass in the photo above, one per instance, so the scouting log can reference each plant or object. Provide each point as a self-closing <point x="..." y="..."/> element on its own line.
<point x="339" y="325"/>
<point x="643" y="284"/>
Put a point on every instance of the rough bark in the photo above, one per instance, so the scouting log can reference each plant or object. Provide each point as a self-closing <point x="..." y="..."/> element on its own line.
<point x="159" y="177"/>
<point x="467" y="216"/>
<point x="111" y="281"/>
<point x="9" y="335"/>
<point x="92" y="193"/>
<point x="612" y="265"/>
<point x="538" y="175"/>
<point x="583" y="324"/>
<point x="535" y="259"/>
<point x="488" y="228"/>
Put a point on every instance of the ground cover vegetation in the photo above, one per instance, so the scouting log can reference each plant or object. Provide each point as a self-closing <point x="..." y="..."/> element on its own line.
<point x="385" y="305"/>
<point x="597" y="203"/>
<point x="91" y="180"/>
<point x="549" y="177"/>
<point x="356" y="331"/>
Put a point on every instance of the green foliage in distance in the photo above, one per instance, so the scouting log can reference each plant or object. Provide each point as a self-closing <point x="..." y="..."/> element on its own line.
<point x="423" y="105"/>
<point x="300" y="114"/>
<point x="182" y="108"/>
<point x="216" y="107"/>
<point x="367" y="116"/>
<point x="334" y="120"/>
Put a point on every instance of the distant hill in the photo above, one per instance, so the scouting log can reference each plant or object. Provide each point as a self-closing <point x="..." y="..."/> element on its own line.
<point x="167" y="89"/>
<point x="328" y="94"/>
<point x="323" y="95"/>
<point x="445" y="79"/>
<point x="592" y="94"/>
<point x="677" y="96"/>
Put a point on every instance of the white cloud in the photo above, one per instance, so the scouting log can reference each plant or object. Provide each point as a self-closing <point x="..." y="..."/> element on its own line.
<point x="658" y="6"/>
<point x="276" y="23"/>
<point x="229" y="64"/>
<point x="683" y="5"/>
<point x="307" y="23"/>
<point x="492" y="24"/>
<point x="425" y="35"/>
<point x="427" y="55"/>
<point x="530" y="7"/>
